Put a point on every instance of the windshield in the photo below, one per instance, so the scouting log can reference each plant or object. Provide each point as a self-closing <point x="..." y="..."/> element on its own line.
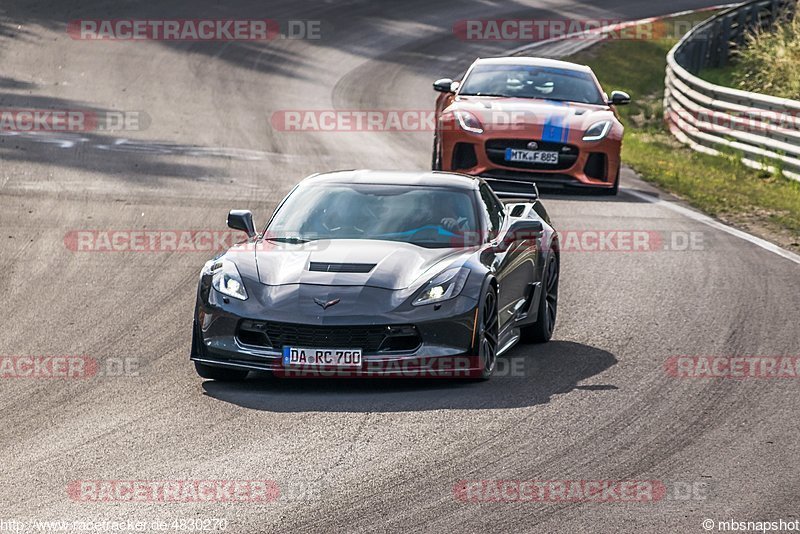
<point x="521" y="81"/>
<point x="425" y="216"/>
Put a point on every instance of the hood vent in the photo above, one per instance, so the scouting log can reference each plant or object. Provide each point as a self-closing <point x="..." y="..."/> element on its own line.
<point x="341" y="267"/>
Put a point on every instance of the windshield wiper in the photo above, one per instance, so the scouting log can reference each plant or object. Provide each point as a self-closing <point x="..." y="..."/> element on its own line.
<point x="292" y="240"/>
<point x="482" y="94"/>
<point x="542" y="97"/>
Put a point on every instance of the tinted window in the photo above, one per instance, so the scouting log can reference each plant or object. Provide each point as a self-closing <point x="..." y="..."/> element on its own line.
<point x="522" y="81"/>
<point x="494" y="210"/>
<point x="424" y="216"/>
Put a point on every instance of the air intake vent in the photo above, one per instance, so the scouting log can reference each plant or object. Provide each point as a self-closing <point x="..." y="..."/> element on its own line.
<point x="341" y="267"/>
<point x="464" y="156"/>
<point x="369" y="338"/>
<point x="596" y="166"/>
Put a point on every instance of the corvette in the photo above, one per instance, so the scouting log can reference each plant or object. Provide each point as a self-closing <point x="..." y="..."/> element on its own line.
<point x="531" y="120"/>
<point x="368" y="273"/>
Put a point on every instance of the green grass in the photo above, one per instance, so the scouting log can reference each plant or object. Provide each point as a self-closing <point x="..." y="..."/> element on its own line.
<point x="719" y="76"/>
<point x="720" y="186"/>
<point x="767" y="63"/>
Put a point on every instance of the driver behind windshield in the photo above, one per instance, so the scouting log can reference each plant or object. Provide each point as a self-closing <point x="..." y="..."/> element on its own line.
<point x="423" y="216"/>
<point x="456" y="215"/>
<point x="531" y="82"/>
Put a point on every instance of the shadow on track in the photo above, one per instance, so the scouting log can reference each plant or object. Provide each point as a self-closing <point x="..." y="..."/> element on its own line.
<point x="578" y="195"/>
<point x="547" y="370"/>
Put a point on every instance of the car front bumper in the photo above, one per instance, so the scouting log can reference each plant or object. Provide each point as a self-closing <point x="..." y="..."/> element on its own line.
<point x="226" y="334"/>
<point x="592" y="164"/>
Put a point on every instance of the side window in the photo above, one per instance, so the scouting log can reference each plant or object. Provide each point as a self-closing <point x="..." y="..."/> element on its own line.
<point x="494" y="210"/>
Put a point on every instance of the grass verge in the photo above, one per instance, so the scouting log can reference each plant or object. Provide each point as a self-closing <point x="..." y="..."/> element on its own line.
<point x="758" y="201"/>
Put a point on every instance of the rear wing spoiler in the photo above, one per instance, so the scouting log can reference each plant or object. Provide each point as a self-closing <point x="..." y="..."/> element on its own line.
<point x="513" y="189"/>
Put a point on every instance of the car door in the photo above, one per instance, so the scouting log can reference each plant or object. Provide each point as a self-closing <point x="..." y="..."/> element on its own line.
<point x="514" y="267"/>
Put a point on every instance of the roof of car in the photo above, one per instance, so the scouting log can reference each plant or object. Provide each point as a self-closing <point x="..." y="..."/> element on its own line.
<point x="418" y="178"/>
<point x="533" y="62"/>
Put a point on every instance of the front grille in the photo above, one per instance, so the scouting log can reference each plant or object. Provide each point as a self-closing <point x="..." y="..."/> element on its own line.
<point x="496" y="152"/>
<point x="341" y="267"/>
<point x="370" y="338"/>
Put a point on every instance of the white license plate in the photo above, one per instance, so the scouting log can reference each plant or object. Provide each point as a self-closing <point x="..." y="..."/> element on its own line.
<point x="310" y="357"/>
<point x="532" y="156"/>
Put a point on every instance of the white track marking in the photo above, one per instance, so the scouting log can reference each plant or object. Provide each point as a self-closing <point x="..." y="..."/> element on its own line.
<point x="705" y="219"/>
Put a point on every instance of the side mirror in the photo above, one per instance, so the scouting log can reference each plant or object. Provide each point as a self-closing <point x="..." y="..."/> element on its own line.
<point x="242" y="220"/>
<point x="619" y="98"/>
<point x="519" y="231"/>
<point x="443" y="85"/>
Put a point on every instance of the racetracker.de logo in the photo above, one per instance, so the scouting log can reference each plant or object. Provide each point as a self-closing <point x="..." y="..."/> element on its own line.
<point x="174" y="29"/>
<point x="179" y="241"/>
<point x="422" y="367"/>
<point x="607" y="240"/>
<point x="151" y="240"/>
<point x="71" y="120"/>
<point x="734" y="367"/>
<point x="519" y="491"/>
<point x="66" y="367"/>
<point x="175" y="491"/>
<point x="746" y="120"/>
<point x="536" y="30"/>
<point x="47" y="367"/>
<point x="353" y="120"/>
<point x="393" y="120"/>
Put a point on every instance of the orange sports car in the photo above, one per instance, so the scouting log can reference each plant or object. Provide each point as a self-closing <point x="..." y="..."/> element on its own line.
<point x="530" y="120"/>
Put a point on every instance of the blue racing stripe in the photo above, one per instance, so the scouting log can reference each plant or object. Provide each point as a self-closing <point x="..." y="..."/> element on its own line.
<point x="555" y="131"/>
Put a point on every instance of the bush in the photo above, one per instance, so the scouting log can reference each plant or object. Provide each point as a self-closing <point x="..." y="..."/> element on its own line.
<point x="769" y="62"/>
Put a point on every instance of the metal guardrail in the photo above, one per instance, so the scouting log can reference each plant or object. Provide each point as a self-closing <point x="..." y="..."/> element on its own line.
<point x="764" y="129"/>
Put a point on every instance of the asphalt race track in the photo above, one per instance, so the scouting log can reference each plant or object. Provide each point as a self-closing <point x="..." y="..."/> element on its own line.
<point x="594" y="404"/>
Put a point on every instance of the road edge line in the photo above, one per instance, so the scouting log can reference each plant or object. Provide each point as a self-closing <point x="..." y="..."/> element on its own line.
<point x="714" y="223"/>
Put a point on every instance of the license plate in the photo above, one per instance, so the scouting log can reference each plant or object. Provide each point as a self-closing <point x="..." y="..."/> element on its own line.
<point x="310" y="357"/>
<point x="532" y="156"/>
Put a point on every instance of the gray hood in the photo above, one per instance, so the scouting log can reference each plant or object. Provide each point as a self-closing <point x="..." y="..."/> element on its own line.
<point x="397" y="265"/>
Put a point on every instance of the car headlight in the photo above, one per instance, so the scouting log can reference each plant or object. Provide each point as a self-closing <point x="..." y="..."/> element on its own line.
<point x="468" y="122"/>
<point x="444" y="286"/>
<point x="227" y="280"/>
<point x="597" y="131"/>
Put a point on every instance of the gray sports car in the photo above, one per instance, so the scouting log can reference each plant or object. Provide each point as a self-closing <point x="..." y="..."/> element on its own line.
<point x="368" y="273"/>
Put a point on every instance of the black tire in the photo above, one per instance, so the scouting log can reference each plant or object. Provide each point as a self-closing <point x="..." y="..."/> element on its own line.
<point x="488" y="333"/>
<point x="610" y="191"/>
<point x="542" y="330"/>
<point x="436" y="161"/>
<point x="221" y="374"/>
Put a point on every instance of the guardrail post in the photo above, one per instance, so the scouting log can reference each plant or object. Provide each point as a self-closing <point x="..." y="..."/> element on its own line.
<point x="710" y="56"/>
<point x="695" y="57"/>
<point x="741" y="27"/>
<point x="752" y="17"/>
<point x="774" y="11"/>
<point x="724" y="52"/>
<point x="703" y="54"/>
